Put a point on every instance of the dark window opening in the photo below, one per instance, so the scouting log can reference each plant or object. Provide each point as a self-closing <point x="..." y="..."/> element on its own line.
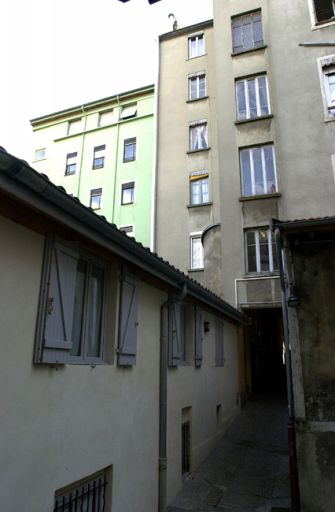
<point x="186" y="447"/>
<point x="324" y="10"/>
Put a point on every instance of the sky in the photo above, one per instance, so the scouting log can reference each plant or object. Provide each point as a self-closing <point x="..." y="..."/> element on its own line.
<point x="56" y="54"/>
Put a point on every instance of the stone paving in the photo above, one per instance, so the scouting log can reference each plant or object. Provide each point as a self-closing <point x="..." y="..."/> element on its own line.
<point x="248" y="470"/>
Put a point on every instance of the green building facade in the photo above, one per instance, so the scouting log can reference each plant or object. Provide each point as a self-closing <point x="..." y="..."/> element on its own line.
<point x="103" y="153"/>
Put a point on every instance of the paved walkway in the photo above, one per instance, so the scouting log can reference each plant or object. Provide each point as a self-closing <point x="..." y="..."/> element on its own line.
<point x="248" y="470"/>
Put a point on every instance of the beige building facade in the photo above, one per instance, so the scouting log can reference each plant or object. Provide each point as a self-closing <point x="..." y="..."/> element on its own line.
<point x="252" y="140"/>
<point x="119" y="373"/>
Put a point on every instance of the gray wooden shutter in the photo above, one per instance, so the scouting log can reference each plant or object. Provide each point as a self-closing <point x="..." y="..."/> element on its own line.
<point x="175" y="333"/>
<point x="127" y="346"/>
<point x="219" y="342"/>
<point x="198" y="337"/>
<point x="58" y="304"/>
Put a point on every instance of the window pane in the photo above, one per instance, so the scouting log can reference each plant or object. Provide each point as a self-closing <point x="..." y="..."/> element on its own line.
<point x="263" y="96"/>
<point x="258" y="171"/>
<point x="193" y="88"/>
<point x="247" y="33"/>
<point x="94" y="312"/>
<point x="192" y="47"/>
<point x="127" y="195"/>
<point x="263" y="251"/>
<point x="202" y="86"/>
<point x="246" y="173"/>
<point x="252" y="98"/>
<point x="241" y="101"/>
<point x="197" y="260"/>
<point x="201" y="45"/>
<point x="95" y="201"/>
<point x="269" y="170"/>
<point x="204" y="187"/>
<point x="324" y="9"/>
<point x="237" y="37"/>
<point x="251" y="251"/>
<point x="195" y="192"/>
<point x="78" y="309"/>
<point x="257" y="31"/>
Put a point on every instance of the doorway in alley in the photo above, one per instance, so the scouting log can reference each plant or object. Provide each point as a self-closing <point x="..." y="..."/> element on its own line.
<point x="264" y="349"/>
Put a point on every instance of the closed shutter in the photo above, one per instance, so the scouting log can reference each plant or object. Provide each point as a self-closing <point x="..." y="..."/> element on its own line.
<point x="127" y="348"/>
<point x="198" y="338"/>
<point x="58" y="305"/>
<point x="176" y="327"/>
<point x="219" y="342"/>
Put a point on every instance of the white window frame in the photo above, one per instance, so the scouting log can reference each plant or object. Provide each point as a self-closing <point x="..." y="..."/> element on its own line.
<point x="40" y="154"/>
<point x="247" y="97"/>
<point x="194" y="265"/>
<point x="199" y="176"/>
<point x="326" y="67"/>
<point x="99" y="153"/>
<point x="252" y="170"/>
<point x="195" y="125"/>
<point x="96" y="192"/>
<point x="315" y="24"/>
<point x="128" y="111"/>
<point x="196" y="78"/>
<point x="128" y="188"/>
<point x="131" y="141"/>
<point x="271" y="250"/>
<point x="197" y="38"/>
<point x="71" y="159"/>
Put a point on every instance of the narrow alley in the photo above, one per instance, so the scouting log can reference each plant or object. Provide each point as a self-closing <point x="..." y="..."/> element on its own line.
<point x="248" y="471"/>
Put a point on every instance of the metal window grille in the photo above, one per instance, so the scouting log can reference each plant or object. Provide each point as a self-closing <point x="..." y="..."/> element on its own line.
<point x="185" y="447"/>
<point x="88" y="497"/>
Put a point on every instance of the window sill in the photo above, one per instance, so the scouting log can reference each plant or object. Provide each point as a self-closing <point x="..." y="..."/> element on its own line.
<point x="266" y="273"/>
<point x="329" y="119"/>
<point x="199" y="205"/>
<point x="127" y="204"/>
<point x="196" y="269"/>
<point x="323" y="24"/>
<point x="249" y="50"/>
<point x="252" y="119"/>
<point x="130" y="160"/>
<point x="197" y="99"/>
<point x="197" y="151"/>
<point x="196" y="56"/>
<point x="260" y="196"/>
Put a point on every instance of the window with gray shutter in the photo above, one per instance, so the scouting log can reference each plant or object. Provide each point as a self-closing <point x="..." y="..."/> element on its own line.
<point x="127" y="346"/>
<point x="54" y="330"/>
<point x="176" y="333"/>
<point x="219" y="342"/>
<point x="198" y="337"/>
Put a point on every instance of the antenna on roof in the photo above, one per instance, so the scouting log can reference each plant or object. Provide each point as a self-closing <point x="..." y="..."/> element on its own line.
<point x="175" y="23"/>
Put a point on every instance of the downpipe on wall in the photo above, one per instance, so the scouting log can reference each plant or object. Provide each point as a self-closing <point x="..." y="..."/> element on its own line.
<point x="294" y="485"/>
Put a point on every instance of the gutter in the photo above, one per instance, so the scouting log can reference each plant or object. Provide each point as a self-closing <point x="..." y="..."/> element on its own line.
<point x="34" y="189"/>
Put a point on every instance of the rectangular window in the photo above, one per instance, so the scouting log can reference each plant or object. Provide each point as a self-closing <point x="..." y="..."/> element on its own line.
<point x="105" y="118"/>
<point x="40" y="154"/>
<point x="71" y="163"/>
<point x="128" y="193"/>
<point x="74" y="126"/>
<point x="129" y="150"/>
<point x="197" y="86"/>
<point x="324" y="10"/>
<point x="87" y="494"/>
<point x="96" y="198"/>
<point x="260" y="251"/>
<point x="199" y="188"/>
<point x="252" y="98"/>
<point x="72" y="310"/>
<point x="197" y="252"/>
<point x="128" y="111"/>
<point x="247" y="32"/>
<point x="329" y="78"/>
<point x="198" y="136"/>
<point x="128" y="230"/>
<point x="196" y="46"/>
<point x="258" y="171"/>
<point x="99" y="157"/>
<point x="185" y="447"/>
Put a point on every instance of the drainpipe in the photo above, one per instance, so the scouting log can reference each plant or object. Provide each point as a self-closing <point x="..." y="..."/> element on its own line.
<point x="82" y="151"/>
<point x="291" y="424"/>
<point x="163" y="389"/>
<point x="116" y="160"/>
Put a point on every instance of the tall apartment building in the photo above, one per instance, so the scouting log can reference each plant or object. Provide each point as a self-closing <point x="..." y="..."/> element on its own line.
<point x="102" y="153"/>
<point x="252" y="138"/>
